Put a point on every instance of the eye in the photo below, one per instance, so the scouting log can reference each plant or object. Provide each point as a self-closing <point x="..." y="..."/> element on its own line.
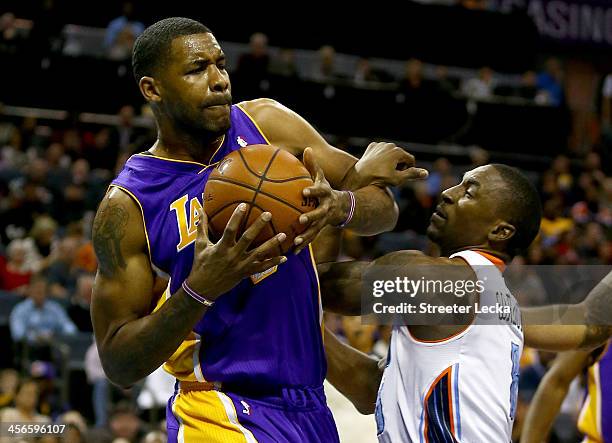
<point x="195" y="71"/>
<point x="467" y="194"/>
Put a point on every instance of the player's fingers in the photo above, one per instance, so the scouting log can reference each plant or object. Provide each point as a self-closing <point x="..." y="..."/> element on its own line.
<point x="262" y="266"/>
<point x="233" y="225"/>
<point x="302" y="240"/>
<point x="313" y="167"/>
<point x="403" y="159"/>
<point x="318" y="190"/>
<point x="271" y="248"/>
<point x="202" y="230"/>
<point x="313" y="216"/>
<point x="413" y="174"/>
<point x="253" y="231"/>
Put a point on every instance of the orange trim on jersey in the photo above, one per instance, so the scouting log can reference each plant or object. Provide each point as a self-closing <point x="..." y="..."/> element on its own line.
<point x="461" y="331"/>
<point x="447" y="371"/>
<point x="498" y="262"/>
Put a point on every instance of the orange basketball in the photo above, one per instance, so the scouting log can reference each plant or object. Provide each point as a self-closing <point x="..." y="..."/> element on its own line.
<point x="267" y="179"/>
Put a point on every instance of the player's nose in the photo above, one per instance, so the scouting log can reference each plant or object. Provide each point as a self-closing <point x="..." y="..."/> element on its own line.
<point x="447" y="196"/>
<point x="218" y="81"/>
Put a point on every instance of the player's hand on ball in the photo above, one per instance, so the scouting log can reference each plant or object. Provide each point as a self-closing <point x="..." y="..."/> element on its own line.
<point x="387" y="164"/>
<point x="331" y="210"/>
<point x="218" y="267"/>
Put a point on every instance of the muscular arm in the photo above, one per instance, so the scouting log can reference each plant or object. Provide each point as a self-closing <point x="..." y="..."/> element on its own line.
<point x="356" y="375"/>
<point x="131" y="340"/>
<point x="581" y="326"/>
<point x="551" y="393"/>
<point x="375" y="209"/>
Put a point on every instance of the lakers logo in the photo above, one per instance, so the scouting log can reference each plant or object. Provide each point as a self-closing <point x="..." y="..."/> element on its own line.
<point x="187" y="219"/>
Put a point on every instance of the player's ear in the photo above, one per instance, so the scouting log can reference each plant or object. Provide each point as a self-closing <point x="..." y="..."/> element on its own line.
<point x="150" y="89"/>
<point x="502" y="231"/>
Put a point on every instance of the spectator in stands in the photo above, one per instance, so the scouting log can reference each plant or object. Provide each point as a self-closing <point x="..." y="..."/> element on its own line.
<point x="441" y="177"/>
<point x="284" y="64"/>
<point x="550" y="81"/>
<point x="155" y="437"/>
<point x="365" y="74"/>
<point x="78" y="194"/>
<point x="325" y="71"/>
<point x="252" y="69"/>
<point x="39" y="243"/>
<point x="11" y="37"/>
<point x="413" y="86"/>
<point x="480" y="87"/>
<point x="25" y="409"/>
<point x="76" y="426"/>
<point x="255" y="62"/>
<point x="554" y="223"/>
<point x="81" y="301"/>
<point x="62" y="274"/>
<point x="446" y="85"/>
<point x="100" y="397"/>
<point x="123" y="423"/>
<point x="121" y="33"/>
<point x="15" y="275"/>
<point x="478" y="157"/>
<point x="9" y="382"/>
<point x="121" y="137"/>
<point x="37" y="320"/>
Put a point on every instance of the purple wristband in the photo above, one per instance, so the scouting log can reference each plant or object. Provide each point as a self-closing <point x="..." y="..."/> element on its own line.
<point x="197" y="297"/>
<point x="349" y="217"/>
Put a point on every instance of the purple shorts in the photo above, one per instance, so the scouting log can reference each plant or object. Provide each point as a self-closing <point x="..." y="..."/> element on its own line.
<point x="294" y="415"/>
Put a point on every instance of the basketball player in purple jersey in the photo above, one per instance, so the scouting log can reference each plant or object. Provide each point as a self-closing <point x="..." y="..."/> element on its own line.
<point x="239" y="328"/>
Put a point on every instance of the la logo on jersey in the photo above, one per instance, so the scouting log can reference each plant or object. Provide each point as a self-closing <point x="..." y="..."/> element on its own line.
<point x="242" y="142"/>
<point x="187" y="217"/>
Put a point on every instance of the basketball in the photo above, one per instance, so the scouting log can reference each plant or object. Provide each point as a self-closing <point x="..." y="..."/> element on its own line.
<point x="267" y="179"/>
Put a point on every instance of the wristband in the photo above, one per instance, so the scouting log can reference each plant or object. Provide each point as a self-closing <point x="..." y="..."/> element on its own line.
<point x="349" y="217"/>
<point x="197" y="297"/>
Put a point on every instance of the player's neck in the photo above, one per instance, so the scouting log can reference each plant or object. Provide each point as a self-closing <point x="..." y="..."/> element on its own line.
<point x="486" y="249"/>
<point x="183" y="146"/>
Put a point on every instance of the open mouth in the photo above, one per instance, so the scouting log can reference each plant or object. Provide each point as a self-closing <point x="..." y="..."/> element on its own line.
<point x="438" y="212"/>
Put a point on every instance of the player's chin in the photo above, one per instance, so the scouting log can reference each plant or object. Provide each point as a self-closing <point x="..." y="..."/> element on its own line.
<point x="433" y="232"/>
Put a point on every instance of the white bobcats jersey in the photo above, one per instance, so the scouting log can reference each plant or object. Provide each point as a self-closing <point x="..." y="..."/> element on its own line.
<point x="460" y="389"/>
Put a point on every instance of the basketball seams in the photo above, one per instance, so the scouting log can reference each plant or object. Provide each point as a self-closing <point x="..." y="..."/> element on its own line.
<point x="261" y="181"/>
<point x="263" y="177"/>
<point x="252" y="188"/>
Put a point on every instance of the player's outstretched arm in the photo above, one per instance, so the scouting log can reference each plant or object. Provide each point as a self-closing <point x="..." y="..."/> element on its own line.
<point x="383" y="164"/>
<point x="585" y="325"/>
<point x="356" y="375"/>
<point x="131" y="340"/>
<point x="550" y="394"/>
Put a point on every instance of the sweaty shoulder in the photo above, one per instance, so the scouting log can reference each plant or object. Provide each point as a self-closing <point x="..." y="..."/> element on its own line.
<point x="118" y="231"/>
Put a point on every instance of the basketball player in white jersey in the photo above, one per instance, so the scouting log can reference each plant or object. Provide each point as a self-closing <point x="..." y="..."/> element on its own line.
<point x="458" y="381"/>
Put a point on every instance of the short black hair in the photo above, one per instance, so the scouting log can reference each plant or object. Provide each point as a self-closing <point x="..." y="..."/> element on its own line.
<point x="522" y="207"/>
<point x="152" y="47"/>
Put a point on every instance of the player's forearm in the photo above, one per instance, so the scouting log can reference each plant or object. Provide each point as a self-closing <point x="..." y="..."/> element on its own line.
<point x="375" y="211"/>
<point x="543" y="409"/>
<point x="355" y="374"/>
<point x="137" y="348"/>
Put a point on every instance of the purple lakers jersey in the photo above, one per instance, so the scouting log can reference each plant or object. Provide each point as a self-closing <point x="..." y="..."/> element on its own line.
<point x="595" y="420"/>
<point x="264" y="333"/>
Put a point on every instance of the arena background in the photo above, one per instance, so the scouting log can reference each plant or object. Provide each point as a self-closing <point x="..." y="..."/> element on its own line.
<point x="457" y="83"/>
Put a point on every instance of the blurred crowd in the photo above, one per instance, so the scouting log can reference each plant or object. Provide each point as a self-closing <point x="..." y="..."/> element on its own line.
<point x="54" y="173"/>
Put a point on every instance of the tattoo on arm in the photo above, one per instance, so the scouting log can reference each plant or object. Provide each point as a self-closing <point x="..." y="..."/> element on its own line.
<point x="108" y="230"/>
